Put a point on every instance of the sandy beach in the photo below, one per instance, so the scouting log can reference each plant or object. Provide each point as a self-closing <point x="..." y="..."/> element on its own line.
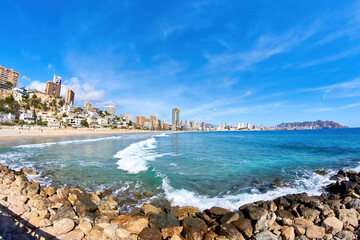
<point x="13" y="133"/>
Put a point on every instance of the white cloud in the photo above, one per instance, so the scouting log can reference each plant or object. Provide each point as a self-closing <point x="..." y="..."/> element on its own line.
<point x="49" y="66"/>
<point x="25" y="78"/>
<point x="40" y="86"/>
<point x="83" y="91"/>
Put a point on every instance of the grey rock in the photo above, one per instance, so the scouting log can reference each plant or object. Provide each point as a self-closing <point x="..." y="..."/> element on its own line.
<point x="266" y="235"/>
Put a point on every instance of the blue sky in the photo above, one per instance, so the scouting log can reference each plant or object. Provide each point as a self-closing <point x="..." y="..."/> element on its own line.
<point x="263" y="62"/>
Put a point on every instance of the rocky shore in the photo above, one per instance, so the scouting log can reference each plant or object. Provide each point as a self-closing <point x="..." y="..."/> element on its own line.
<point x="31" y="211"/>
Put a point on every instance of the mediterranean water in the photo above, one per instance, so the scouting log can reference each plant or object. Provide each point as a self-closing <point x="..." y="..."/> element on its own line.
<point x="202" y="169"/>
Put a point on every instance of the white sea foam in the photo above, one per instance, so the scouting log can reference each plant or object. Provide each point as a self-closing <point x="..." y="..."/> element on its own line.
<point x="311" y="184"/>
<point x="42" y="145"/>
<point x="161" y="135"/>
<point x="135" y="157"/>
<point x="173" y="164"/>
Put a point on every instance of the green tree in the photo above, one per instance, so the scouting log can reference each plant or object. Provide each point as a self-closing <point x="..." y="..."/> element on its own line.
<point x="84" y="123"/>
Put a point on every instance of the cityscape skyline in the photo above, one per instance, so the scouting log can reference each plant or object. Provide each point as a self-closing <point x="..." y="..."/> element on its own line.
<point x="285" y="62"/>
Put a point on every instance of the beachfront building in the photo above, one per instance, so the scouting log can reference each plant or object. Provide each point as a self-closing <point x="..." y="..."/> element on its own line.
<point x="73" y="121"/>
<point x="7" y="118"/>
<point x="88" y="106"/>
<point x="110" y="109"/>
<point x="8" y="78"/>
<point x="68" y="108"/>
<point x="52" y="122"/>
<point x="26" y="117"/>
<point x="140" y="120"/>
<point x="102" y="121"/>
<point x="126" y="117"/>
<point x="70" y="96"/>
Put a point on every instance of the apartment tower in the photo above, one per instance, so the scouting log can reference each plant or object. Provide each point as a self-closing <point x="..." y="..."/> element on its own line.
<point x="176" y="117"/>
<point x="70" y="96"/>
<point x="8" y="78"/>
<point x="53" y="88"/>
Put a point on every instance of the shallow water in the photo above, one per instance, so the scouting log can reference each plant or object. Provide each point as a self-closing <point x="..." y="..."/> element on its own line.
<point x="201" y="169"/>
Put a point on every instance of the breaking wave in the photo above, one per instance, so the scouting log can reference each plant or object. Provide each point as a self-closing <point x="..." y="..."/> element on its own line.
<point x="310" y="183"/>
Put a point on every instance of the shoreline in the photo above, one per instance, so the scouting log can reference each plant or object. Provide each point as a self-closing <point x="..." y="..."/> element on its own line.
<point x="16" y="133"/>
<point x="71" y="213"/>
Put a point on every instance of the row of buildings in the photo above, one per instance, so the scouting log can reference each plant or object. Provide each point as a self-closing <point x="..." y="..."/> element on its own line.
<point x="89" y="116"/>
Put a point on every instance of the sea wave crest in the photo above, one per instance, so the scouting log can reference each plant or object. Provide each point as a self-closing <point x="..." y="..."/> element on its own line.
<point x="310" y="183"/>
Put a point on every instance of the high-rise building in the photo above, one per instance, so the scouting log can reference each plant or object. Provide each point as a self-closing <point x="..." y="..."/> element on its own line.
<point x="8" y="77"/>
<point x="70" y="96"/>
<point x="140" y="120"/>
<point x="175" y="118"/>
<point x="52" y="89"/>
<point x="88" y="106"/>
<point x="110" y="109"/>
<point x="57" y="79"/>
<point x="153" y="121"/>
<point x="203" y="126"/>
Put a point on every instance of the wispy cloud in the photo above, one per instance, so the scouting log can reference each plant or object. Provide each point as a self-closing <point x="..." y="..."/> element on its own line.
<point x="265" y="47"/>
<point x="349" y="53"/>
<point x="339" y="90"/>
<point x="326" y="109"/>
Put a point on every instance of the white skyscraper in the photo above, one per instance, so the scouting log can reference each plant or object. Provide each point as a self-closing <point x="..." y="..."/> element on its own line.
<point x="110" y="110"/>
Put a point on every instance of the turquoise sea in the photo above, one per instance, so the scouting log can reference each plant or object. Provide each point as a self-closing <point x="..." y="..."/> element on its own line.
<point x="201" y="169"/>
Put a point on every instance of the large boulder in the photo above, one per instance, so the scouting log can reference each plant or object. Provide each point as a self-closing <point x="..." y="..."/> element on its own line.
<point x="150" y="234"/>
<point x="166" y="220"/>
<point x="169" y="232"/>
<point x="150" y="209"/>
<point x="265" y="222"/>
<point x="137" y="224"/>
<point x="254" y="212"/>
<point x="216" y="211"/>
<point x="84" y="204"/>
<point x="65" y="212"/>
<point x="266" y="235"/>
<point x="332" y="225"/>
<point x="348" y="217"/>
<point x="288" y="233"/>
<point x="315" y="232"/>
<point x="63" y="226"/>
<point x="183" y="212"/>
<point x="229" y="218"/>
<point x="230" y="232"/>
<point x="85" y="227"/>
<point x="111" y="202"/>
<point x="244" y="226"/>
<point x="194" y="228"/>
<point x="309" y="213"/>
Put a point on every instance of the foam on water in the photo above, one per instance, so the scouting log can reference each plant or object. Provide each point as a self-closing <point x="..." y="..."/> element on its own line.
<point x="310" y="183"/>
<point x="161" y="135"/>
<point x="134" y="158"/>
<point x="42" y="145"/>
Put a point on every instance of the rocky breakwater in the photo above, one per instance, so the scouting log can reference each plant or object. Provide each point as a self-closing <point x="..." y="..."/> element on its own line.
<point x="31" y="211"/>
